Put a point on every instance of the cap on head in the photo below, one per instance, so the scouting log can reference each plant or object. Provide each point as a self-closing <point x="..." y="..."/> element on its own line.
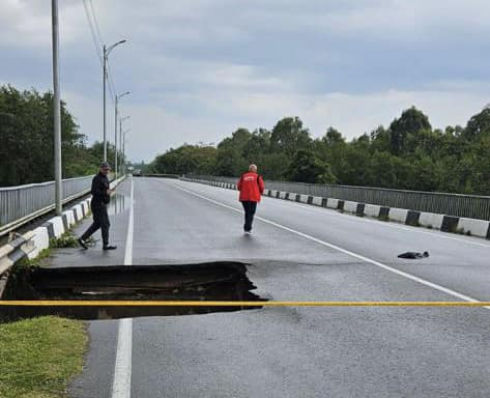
<point x="105" y="165"/>
<point x="252" y="167"/>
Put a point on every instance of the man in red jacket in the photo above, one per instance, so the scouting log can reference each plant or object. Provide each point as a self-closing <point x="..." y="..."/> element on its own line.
<point x="251" y="187"/>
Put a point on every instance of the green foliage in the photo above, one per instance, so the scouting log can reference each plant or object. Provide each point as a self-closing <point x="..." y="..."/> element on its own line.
<point x="306" y="167"/>
<point x="199" y="159"/>
<point x="40" y="356"/>
<point x="409" y="154"/>
<point x="67" y="240"/>
<point x="31" y="262"/>
<point x="26" y="131"/>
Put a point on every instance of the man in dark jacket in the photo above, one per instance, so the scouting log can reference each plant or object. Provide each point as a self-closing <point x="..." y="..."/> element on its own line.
<point x="251" y="187"/>
<point x="101" y="196"/>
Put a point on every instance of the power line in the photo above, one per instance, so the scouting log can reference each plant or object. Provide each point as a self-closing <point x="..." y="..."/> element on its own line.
<point x="98" y="43"/>
<point x="97" y="46"/>
<point x="95" y="20"/>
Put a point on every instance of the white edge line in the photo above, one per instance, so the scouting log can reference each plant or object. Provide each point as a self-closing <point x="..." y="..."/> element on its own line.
<point x="368" y="219"/>
<point x="353" y="218"/>
<point x="345" y="251"/>
<point x="121" y="385"/>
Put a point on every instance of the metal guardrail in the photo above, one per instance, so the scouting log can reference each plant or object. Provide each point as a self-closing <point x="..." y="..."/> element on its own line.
<point x="469" y="206"/>
<point x="21" y="203"/>
<point x="156" y="175"/>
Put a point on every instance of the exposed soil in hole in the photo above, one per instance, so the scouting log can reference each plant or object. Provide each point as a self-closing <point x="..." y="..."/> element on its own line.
<point x="208" y="281"/>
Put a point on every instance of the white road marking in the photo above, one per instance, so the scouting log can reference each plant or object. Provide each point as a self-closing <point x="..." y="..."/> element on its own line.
<point x="121" y="385"/>
<point x="128" y="253"/>
<point x="345" y="251"/>
<point x="353" y="218"/>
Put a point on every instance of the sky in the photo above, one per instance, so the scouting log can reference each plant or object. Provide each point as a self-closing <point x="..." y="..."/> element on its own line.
<point x="199" y="69"/>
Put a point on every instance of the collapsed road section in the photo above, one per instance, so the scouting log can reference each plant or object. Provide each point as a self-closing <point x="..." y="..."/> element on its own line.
<point x="225" y="281"/>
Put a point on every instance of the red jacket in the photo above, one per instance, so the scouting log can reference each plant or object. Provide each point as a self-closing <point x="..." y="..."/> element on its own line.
<point x="251" y="187"/>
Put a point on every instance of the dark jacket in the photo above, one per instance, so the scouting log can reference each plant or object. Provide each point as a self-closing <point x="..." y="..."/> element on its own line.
<point x="100" y="185"/>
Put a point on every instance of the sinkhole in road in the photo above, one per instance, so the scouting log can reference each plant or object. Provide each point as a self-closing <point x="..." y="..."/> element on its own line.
<point x="207" y="281"/>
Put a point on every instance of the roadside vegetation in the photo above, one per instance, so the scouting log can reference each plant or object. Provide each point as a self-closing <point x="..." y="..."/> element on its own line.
<point x="408" y="154"/>
<point x="26" y="128"/>
<point x="39" y="356"/>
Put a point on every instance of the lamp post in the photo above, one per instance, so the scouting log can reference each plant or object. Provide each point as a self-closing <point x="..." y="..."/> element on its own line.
<point x="122" y="140"/>
<point x="106" y="51"/>
<point x="118" y="97"/>
<point x="56" y="109"/>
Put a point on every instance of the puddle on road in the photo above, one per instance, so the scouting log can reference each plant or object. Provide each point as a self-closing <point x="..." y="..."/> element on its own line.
<point x="119" y="203"/>
<point x="209" y="281"/>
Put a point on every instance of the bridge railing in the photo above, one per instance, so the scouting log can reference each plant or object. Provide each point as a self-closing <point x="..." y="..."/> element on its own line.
<point x="470" y="206"/>
<point x="24" y="202"/>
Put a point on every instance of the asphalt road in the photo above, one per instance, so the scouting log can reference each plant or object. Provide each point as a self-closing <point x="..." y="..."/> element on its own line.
<point x="297" y="252"/>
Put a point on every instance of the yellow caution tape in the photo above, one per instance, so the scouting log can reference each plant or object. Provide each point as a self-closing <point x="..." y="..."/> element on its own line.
<point x="187" y="303"/>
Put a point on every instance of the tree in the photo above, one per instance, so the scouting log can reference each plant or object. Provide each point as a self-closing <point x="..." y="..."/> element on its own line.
<point x="288" y="136"/>
<point x="306" y="167"/>
<point x="478" y="126"/>
<point x="411" y="122"/>
<point x="26" y="128"/>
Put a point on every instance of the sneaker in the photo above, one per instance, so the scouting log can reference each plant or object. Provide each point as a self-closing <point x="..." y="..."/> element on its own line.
<point x="82" y="243"/>
<point x="248" y="232"/>
<point x="109" y="248"/>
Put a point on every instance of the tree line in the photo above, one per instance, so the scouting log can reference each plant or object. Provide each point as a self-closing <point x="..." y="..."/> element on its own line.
<point x="27" y="140"/>
<point x="409" y="154"/>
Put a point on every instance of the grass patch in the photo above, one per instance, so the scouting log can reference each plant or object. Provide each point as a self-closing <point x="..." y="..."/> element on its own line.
<point x="34" y="262"/>
<point x="64" y="241"/>
<point x="39" y="356"/>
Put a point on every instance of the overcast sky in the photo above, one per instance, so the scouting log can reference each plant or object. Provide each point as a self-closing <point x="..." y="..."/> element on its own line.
<point x="198" y="69"/>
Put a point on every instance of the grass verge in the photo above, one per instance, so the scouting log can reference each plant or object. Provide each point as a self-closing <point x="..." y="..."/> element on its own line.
<point x="39" y="356"/>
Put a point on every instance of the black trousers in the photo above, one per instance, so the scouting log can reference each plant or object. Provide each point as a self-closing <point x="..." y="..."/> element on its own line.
<point x="101" y="221"/>
<point x="250" y="208"/>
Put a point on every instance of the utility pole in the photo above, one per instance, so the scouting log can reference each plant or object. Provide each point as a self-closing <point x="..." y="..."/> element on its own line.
<point x="104" y="74"/>
<point x="57" y="110"/>
<point x="118" y="97"/>
<point x="106" y="52"/>
<point x="124" y="146"/>
<point x="120" y="132"/>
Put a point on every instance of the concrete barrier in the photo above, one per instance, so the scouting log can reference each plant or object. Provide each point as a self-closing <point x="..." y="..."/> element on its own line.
<point x="431" y="220"/>
<point x="303" y="198"/>
<point x="350" y="207"/>
<point x="58" y="227"/>
<point x="443" y="222"/>
<point x="473" y="227"/>
<point x="33" y="242"/>
<point x="40" y="240"/>
<point x="372" y="210"/>
<point x="332" y="203"/>
<point x="317" y="200"/>
<point x="399" y="215"/>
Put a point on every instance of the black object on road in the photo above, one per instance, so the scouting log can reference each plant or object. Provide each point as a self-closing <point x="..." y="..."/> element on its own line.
<point x="414" y="255"/>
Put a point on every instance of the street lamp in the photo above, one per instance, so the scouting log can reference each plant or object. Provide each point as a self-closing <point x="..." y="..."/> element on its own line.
<point x="56" y="109"/>
<point x="121" y="138"/>
<point x="123" y="141"/>
<point x="118" y="97"/>
<point x="107" y="51"/>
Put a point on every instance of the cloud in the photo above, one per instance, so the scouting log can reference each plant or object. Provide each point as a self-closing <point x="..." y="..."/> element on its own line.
<point x="197" y="69"/>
